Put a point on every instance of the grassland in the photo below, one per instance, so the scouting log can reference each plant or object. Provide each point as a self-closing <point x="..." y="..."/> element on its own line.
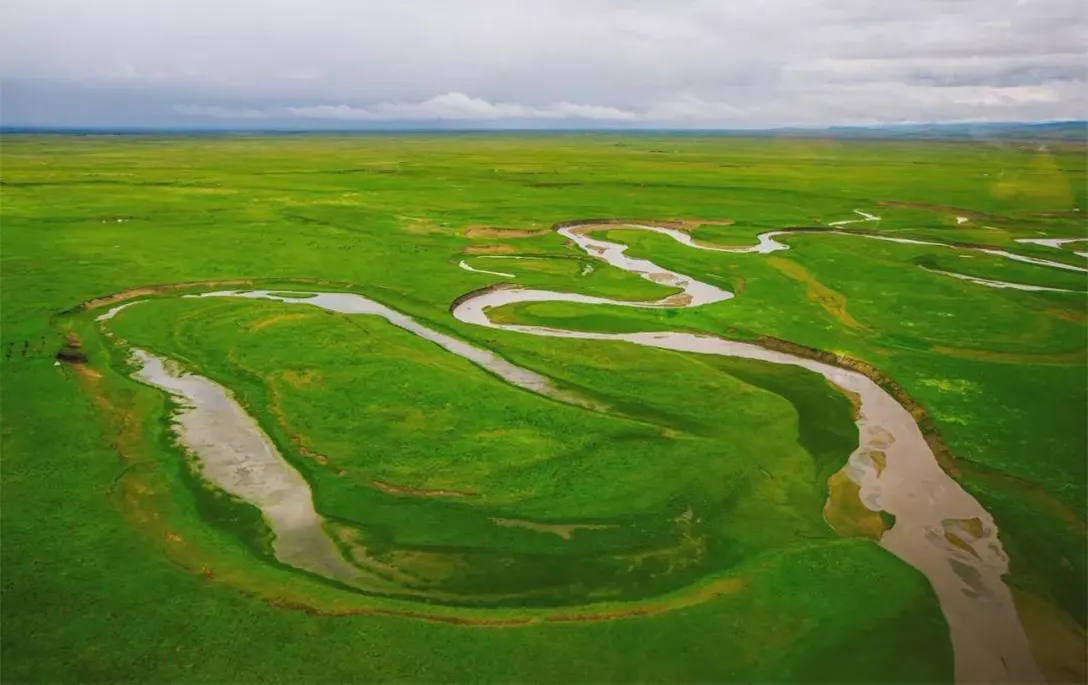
<point x="110" y="539"/>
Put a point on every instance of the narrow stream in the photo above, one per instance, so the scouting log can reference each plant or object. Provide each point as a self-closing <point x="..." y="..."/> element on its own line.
<point x="767" y="243"/>
<point x="1050" y="242"/>
<point x="1001" y="284"/>
<point x="939" y="528"/>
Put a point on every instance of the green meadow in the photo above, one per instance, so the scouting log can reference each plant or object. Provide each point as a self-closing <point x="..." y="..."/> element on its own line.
<point x="675" y="530"/>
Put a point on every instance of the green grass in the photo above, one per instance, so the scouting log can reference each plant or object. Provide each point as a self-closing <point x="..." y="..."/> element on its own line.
<point x="110" y="540"/>
<point x="377" y="401"/>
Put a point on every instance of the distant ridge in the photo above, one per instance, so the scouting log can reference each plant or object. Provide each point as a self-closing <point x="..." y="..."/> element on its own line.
<point x="1052" y="130"/>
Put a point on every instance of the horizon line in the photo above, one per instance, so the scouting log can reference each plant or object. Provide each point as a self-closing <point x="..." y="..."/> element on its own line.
<point x="393" y="127"/>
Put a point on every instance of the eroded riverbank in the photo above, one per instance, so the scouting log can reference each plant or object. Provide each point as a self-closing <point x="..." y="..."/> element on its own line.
<point x="905" y="480"/>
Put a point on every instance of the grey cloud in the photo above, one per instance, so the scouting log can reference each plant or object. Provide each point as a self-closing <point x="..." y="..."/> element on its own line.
<point x="660" y="62"/>
<point x="1002" y="71"/>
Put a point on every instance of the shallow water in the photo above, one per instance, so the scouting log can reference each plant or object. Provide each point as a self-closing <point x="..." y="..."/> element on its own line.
<point x="613" y="253"/>
<point x="988" y="639"/>
<point x="117" y="310"/>
<point x="989" y="642"/>
<point x="1050" y="242"/>
<point x="766" y="244"/>
<point x="236" y="455"/>
<point x="865" y="216"/>
<point x="351" y="303"/>
<point x="1000" y="284"/>
<point x="767" y="241"/>
<point x="464" y="265"/>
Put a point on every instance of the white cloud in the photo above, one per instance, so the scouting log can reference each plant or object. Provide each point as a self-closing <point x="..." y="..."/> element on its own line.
<point x="459" y="107"/>
<point x="862" y="103"/>
<point x="447" y="107"/>
<point x="220" y="112"/>
<point x="340" y="112"/>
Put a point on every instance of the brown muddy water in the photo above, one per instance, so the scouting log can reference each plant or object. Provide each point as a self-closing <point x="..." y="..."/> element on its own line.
<point x="987" y="637"/>
<point x="939" y="529"/>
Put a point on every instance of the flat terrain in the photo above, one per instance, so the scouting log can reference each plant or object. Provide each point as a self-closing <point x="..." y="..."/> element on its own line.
<point x="676" y="530"/>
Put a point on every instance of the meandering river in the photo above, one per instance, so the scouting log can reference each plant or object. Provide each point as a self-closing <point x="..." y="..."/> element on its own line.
<point x="939" y="528"/>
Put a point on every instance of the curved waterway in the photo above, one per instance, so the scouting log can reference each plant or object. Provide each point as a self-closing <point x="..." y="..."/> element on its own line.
<point x="237" y="456"/>
<point x="767" y="243"/>
<point x="939" y="528"/>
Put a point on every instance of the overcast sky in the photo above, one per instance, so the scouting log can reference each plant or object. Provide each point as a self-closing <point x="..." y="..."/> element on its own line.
<point x="583" y="63"/>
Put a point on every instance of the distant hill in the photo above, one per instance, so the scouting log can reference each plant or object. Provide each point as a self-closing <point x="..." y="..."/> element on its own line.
<point x="1054" y="131"/>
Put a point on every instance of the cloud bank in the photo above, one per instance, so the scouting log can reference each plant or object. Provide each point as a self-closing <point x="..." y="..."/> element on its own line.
<point x="586" y="63"/>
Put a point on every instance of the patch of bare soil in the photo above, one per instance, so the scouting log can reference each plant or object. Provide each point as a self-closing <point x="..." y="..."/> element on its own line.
<point x="439" y="618"/>
<point x="71" y="352"/>
<point x="85" y="372"/>
<point x="278" y="318"/>
<point x="425" y="228"/>
<point x="117" y="298"/>
<point x="301" y="379"/>
<point x="1062" y="358"/>
<point x="687" y="224"/>
<point x="391" y="489"/>
<point x="309" y="453"/>
<point x="854" y="399"/>
<point x="879" y="459"/>
<point x="718" y="588"/>
<point x="476" y="232"/>
<point x="590" y="225"/>
<point x="134" y="492"/>
<point x="963" y="532"/>
<point x="831" y="301"/>
<point x="563" y="530"/>
<point x="847" y="514"/>
<point x="1079" y="316"/>
<point x="711" y="591"/>
<point x="296" y="380"/>
<point x="940" y="208"/>
<point x="678" y="300"/>
<point x="488" y="249"/>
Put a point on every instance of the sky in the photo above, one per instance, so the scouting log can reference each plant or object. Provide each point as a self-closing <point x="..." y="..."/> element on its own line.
<point x="539" y="63"/>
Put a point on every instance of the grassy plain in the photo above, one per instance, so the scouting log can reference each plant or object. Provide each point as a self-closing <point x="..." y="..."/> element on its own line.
<point x="109" y="540"/>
